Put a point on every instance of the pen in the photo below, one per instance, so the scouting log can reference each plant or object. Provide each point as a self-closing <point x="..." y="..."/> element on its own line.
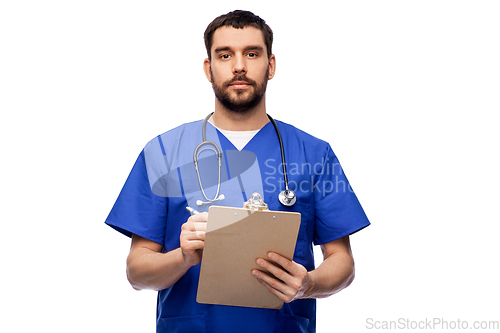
<point x="192" y="211"/>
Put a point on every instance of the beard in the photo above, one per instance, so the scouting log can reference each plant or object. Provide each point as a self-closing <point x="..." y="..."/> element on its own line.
<point x="240" y="104"/>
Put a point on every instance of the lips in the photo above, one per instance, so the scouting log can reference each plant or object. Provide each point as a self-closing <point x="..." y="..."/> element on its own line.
<point x="240" y="84"/>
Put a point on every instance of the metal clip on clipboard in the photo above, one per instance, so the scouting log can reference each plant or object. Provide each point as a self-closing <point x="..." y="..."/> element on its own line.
<point x="255" y="202"/>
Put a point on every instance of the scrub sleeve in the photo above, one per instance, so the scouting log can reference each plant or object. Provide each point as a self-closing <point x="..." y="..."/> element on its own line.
<point x="137" y="210"/>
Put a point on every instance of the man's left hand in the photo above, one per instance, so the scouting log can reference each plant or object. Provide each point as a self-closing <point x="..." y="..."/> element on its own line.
<point x="288" y="282"/>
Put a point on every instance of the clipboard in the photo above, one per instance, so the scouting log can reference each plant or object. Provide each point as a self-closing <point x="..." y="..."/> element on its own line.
<point x="234" y="239"/>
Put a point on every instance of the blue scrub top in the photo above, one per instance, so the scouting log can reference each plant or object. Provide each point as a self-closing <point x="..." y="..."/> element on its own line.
<point x="163" y="182"/>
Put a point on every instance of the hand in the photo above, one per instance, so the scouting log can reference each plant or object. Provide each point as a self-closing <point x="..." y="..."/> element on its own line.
<point x="193" y="238"/>
<point x="289" y="283"/>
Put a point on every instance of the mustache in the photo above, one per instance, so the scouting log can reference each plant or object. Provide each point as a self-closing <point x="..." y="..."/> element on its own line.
<point x="240" y="77"/>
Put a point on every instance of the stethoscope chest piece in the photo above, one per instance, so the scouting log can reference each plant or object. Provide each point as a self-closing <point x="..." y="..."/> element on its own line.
<point x="287" y="197"/>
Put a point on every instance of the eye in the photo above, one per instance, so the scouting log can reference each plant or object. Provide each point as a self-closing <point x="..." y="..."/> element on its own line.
<point x="252" y="55"/>
<point x="224" y="56"/>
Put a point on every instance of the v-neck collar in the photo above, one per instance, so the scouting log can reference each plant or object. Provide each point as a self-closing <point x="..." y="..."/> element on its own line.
<point x="250" y="142"/>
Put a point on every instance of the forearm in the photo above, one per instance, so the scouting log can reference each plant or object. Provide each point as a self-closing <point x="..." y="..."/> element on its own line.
<point x="147" y="269"/>
<point x="334" y="274"/>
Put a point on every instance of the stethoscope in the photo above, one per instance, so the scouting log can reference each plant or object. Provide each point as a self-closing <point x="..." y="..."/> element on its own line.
<point x="286" y="197"/>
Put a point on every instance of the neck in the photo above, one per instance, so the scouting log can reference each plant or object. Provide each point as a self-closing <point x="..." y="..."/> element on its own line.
<point x="253" y="119"/>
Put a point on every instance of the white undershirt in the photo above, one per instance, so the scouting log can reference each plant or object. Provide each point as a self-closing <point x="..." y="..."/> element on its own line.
<point x="238" y="138"/>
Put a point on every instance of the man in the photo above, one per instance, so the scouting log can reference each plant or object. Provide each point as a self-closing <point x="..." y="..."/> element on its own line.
<point x="166" y="249"/>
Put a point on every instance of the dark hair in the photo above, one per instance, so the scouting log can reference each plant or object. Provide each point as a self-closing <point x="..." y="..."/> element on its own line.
<point x="239" y="19"/>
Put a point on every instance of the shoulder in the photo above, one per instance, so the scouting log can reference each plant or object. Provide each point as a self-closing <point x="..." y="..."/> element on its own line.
<point x="302" y="138"/>
<point x="173" y="136"/>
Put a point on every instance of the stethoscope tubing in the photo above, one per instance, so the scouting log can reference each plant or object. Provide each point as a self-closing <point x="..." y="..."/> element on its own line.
<point x="283" y="160"/>
<point x="286" y="197"/>
<point x="219" y="158"/>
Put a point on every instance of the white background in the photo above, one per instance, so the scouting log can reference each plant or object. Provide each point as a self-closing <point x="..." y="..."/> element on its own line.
<point x="405" y="92"/>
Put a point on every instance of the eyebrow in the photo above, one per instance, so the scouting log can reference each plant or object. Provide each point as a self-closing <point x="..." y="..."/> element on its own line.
<point x="221" y="49"/>
<point x="248" y="48"/>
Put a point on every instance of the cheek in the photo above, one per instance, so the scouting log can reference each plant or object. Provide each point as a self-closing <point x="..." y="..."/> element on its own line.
<point x="220" y="72"/>
<point x="217" y="79"/>
<point x="260" y="71"/>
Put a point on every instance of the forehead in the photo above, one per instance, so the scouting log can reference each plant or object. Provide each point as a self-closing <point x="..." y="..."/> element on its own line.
<point x="228" y="36"/>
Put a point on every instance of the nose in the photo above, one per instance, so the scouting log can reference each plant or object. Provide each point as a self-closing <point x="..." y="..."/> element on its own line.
<point x="239" y="65"/>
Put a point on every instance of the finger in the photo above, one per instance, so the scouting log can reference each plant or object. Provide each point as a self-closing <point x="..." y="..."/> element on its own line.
<point x="274" y="283"/>
<point x="192" y="245"/>
<point x="278" y="288"/>
<point x="196" y="245"/>
<point x="193" y="235"/>
<point x="191" y="226"/>
<point x="200" y="226"/>
<point x="289" y="265"/>
<point x="274" y="270"/>
<point x="273" y="290"/>
<point x="294" y="281"/>
<point x="201" y="217"/>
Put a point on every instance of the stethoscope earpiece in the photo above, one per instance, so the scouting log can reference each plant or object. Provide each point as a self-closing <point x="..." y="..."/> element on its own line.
<point x="199" y="202"/>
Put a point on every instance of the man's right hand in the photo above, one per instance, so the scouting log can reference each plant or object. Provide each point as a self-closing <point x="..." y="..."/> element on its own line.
<point x="193" y="238"/>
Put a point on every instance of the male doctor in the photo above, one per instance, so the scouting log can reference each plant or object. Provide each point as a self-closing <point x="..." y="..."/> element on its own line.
<point x="167" y="243"/>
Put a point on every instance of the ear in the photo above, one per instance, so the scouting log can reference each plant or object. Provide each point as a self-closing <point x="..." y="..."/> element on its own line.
<point x="206" y="69"/>
<point x="272" y="66"/>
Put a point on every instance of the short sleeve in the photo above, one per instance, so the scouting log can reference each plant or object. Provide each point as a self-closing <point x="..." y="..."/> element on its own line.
<point x="138" y="210"/>
<point x="337" y="209"/>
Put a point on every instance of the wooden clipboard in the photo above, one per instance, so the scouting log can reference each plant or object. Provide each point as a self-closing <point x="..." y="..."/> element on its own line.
<point x="235" y="238"/>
